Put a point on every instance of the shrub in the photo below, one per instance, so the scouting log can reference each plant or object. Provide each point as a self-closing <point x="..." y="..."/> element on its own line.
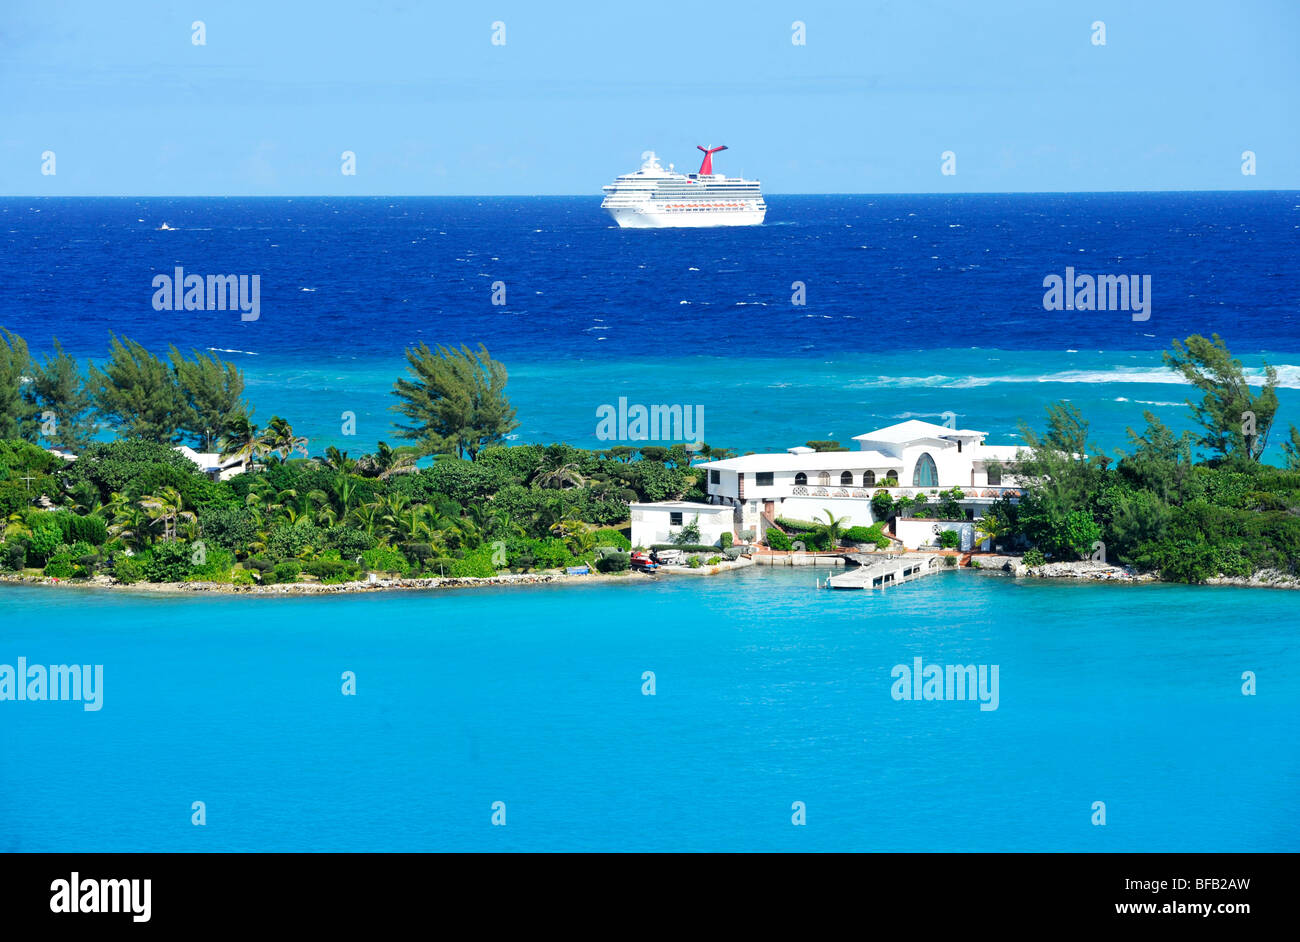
<point x="230" y="525"/>
<point x="872" y="534"/>
<point x="949" y="539"/>
<point x="60" y="565"/>
<point x="1033" y="557"/>
<point x="287" y="570"/>
<point x="610" y="537"/>
<point x="777" y="540"/>
<point x="714" y="560"/>
<point x="950" y="560"/>
<point x="92" y="529"/>
<point x="615" y="562"/>
<point x="13" y="555"/>
<point x="286" y="542"/>
<point x="726" y="540"/>
<point x="243" y="576"/>
<point x="46" y="538"/>
<point x="127" y="569"/>
<point x="325" y="569"/>
<point x="694" y="562"/>
<point x="475" y="565"/>
<point x="167" y="562"/>
<point x="349" y="541"/>
<point x="216" y="566"/>
<point x="384" y="559"/>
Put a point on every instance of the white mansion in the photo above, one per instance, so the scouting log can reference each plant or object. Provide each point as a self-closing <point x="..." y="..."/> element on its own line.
<point x="802" y="484"/>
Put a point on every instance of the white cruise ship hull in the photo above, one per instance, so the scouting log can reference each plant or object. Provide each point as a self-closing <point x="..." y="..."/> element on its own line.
<point x="648" y="216"/>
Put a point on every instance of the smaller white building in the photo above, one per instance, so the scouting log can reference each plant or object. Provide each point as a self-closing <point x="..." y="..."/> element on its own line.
<point x="212" y="464"/>
<point x="660" y="522"/>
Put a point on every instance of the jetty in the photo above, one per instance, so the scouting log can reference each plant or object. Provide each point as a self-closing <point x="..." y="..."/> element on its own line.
<point x="870" y="571"/>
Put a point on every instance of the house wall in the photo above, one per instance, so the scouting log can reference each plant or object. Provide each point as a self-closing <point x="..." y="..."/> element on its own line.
<point x="915" y="532"/>
<point x="650" y="524"/>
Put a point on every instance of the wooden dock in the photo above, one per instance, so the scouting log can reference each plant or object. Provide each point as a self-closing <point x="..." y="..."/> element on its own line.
<point x="876" y="572"/>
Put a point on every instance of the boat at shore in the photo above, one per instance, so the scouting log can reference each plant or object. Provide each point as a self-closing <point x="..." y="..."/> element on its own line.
<point x="655" y="198"/>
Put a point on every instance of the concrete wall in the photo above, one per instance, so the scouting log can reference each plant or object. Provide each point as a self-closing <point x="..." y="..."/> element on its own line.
<point x="920" y="532"/>
<point x="650" y="523"/>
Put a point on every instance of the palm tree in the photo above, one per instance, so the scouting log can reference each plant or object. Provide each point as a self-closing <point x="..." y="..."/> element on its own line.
<point x="336" y="460"/>
<point x="561" y="476"/>
<point x="387" y="461"/>
<point x="278" y="439"/>
<point x="832" y="526"/>
<point x="345" y="490"/>
<point x="991" y="527"/>
<point x="167" y="507"/>
<point x="241" y="441"/>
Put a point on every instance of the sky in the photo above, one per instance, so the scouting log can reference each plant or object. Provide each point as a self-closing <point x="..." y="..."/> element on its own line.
<point x="1017" y="90"/>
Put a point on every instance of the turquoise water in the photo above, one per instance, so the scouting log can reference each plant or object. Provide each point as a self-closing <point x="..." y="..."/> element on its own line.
<point x="768" y="692"/>
<point x="772" y="403"/>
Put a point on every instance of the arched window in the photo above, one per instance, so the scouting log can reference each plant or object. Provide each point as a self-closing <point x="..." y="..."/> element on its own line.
<point x="846" y="478"/>
<point x="868" y="478"/>
<point x="801" y="478"/>
<point x="925" y="475"/>
<point x="824" y="479"/>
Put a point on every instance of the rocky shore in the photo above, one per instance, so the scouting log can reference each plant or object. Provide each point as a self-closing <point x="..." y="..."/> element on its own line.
<point x="317" y="588"/>
<point x="1086" y="569"/>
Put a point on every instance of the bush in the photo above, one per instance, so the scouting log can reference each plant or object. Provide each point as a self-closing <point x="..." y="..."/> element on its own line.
<point x="167" y="562"/>
<point x="92" y="529"/>
<point x="1033" y="557"/>
<point x="384" y="559"/>
<point x="46" y="538"/>
<point x="328" y="569"/>
<point x="216" y="566"/>
<point x="873" y="534"/>
<point x="610" y="537"/>
<point x="694" y="562"/>
<point x="230" y="525"/>
<point x="615" y="562"/>
<point x="726" y="540"/>
<point x="60" y="565"/>
<point x="714" y="560"/>
<point x="243" y="576"/>
<point x="349" y="541"/>
<point x="950" y="560"/>
<point x="949" y="539"/>
<point x="286" y="542"/>
<point x="475" y="565"/>
<point x="13" y="555"/>
<point x="287" y="571"/>
<point x="127" y="569"/>
<point x="777" y="540"/>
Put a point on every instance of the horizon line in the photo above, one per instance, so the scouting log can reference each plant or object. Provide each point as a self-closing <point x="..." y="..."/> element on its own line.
<point x="593" y="195"/>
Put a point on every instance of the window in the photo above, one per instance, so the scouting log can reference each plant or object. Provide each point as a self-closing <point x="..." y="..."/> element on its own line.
<point x="824" y="479"/>
<point x="891" y="477"/>
<point x="675" y="518"/>
<point x="846" y="478"/>
<point x="801" y="478"/>
<point x="763" y="479"/>
<point x="925" y="475"/>
<point x="995" y="474"/>
<point x="715" y="476"/>
<point x="868" y="478"/>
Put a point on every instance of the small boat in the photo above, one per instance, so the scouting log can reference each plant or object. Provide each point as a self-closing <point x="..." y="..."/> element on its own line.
<point x="166" y="228"/>
<point x="642" y="562"/>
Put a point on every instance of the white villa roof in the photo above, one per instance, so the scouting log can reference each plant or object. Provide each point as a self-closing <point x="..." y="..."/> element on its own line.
<point x="915" y="430"/>
<point x="812" y="461"/>
<point x="685" y="505"/>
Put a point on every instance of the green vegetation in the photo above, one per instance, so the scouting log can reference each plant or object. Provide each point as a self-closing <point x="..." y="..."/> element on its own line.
<point x="1158" y="508"/>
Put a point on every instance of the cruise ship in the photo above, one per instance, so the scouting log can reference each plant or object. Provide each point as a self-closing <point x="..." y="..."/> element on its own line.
<point x="655" y="198"/>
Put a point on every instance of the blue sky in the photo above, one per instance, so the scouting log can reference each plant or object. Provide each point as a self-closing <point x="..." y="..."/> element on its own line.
<point x="430" y="106"/>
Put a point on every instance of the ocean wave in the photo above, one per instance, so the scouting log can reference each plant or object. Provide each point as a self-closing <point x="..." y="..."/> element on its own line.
<point x="1288" y="377"/>
<point x="228" y="350"/>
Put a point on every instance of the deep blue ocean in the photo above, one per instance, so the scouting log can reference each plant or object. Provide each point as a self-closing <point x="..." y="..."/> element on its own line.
<point x="769" y="692"/>
<point x="915" y="305"/>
